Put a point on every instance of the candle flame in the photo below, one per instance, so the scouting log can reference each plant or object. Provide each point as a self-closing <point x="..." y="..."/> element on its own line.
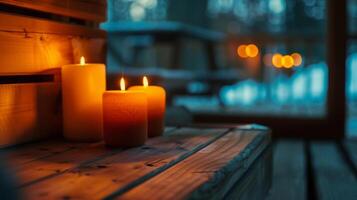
<point x="122" y="84"/>
<point x="145" y="81"/>
<point x="82" y="60"/>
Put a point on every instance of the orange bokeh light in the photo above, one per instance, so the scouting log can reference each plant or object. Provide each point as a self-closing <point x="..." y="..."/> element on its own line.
<point x="277" y="60"/>
<point x="287" y="61"/>
<point x="297" y="59"/>
<point x="241" y="51"/>
<point x="251" y="50"/>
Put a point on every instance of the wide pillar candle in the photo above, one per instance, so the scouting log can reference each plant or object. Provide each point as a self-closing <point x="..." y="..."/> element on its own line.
<point x="124" y="118"/>
<point x="156" y="107"/>
<point x="82" y="89"/>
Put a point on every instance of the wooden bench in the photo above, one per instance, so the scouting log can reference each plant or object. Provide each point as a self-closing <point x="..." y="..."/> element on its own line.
<point x="185" y="163"/>
<point x="316" y="169"/>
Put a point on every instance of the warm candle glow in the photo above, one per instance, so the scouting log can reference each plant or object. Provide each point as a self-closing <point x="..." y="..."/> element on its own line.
<point x="145" y="81"/>
<point x="82" y="91"/>
<point x="82" y="60"/>
<point x="155" y="96"/>
<point x="122" y="84"/>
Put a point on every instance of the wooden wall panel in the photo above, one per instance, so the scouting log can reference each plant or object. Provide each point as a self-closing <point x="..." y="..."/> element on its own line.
<point x="93" y="49"/>
<point x="32" y="46"/>
<point x="23" y="24"/>
<point x="29" y="112"/>
<point x="33" y="52"/>
<point x="84" y="9"/>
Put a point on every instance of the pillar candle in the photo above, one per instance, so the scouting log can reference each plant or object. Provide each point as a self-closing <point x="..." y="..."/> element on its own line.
<point x="156" y="107"/>
<point x="124" y="117"/>
<point x="82" y="89"/>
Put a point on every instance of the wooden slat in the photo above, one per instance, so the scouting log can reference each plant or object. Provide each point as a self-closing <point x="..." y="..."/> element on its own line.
<point x="20" y="155"/>
<point x="39" y="52"/>
<point x="34" y="161"/>
<point x="29" y="112"/>
<point x="50" y="166"/>
<point x="83" y="9"/>
<point x="45" y="159"/>
<point x="34" y="54"/>
<point x="23" y="24"/>
<point x="98" y="179"/>
<point x="333" y="178"/>
<point x="209" y="173"/>
<point x="289" y="171"/>
<point x="256" y="182"/>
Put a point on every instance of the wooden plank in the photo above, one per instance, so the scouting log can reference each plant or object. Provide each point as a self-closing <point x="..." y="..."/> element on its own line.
<point x="333" y="178"/>
<point x="40" y="160"/>
<point x="83" y="9"/>
<point x="29" y="112"/>
<point x="289" y="171"/>
<point x="40" y="52"/>
<point x="19" y="155"/>
<point x="56" y="164"/>
<point x="35" y="53"/>
<point x="23" y="24"/>
<point x="34" y="161"/>
<point x="207" y="174"/>
<point x="98" y="179"/>
<point x="256" y="182"/>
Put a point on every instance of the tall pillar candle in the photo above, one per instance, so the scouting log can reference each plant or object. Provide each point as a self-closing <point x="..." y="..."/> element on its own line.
<point x="156" y="107"/>
<point x="82" y="89"/>
<point x="124" y="117"/>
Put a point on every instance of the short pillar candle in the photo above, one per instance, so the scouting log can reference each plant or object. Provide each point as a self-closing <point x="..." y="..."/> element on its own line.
<point x="124" y="117"/>
<point x="82" y="88"/>
<point x="156" y="96"/>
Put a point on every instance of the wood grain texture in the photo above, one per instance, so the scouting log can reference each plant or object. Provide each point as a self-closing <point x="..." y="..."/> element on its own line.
<point x="204" y="174"/>
<point x="47" y="167"/>
<point x="289" y="171"/>
<point x="333" y="178"/>
<point x="29" y="112"/>
<point x="256" y="182"/>
<point x="36" y="161"/>
<point x="36" y="53"/>
<point x="96" y="180"/>
<point x="23" y="24"/>
<point x="83" y="9"/>
<point x="20" y="155"/>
